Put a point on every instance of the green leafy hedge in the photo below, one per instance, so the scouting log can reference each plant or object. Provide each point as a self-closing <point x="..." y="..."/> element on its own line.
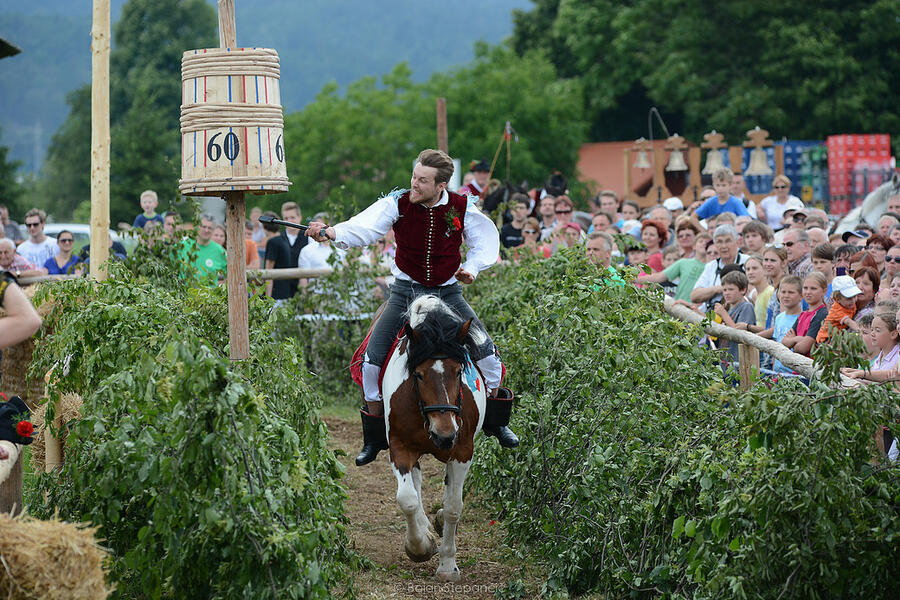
<point x="207" y="478"/>
<point x="641" y="473"/>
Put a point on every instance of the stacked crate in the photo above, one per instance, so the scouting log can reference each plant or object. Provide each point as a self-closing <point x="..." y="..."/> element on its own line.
<point x="814" y="174"/>
<point x="851" y="160"/>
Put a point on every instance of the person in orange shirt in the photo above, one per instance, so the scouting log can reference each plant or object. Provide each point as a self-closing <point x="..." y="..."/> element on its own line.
<point x="843" y="308"/>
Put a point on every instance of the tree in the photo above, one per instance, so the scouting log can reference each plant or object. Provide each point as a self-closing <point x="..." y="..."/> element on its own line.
<point x="145" y="93"/>
<point x="10" y="189"/>
<point x="355" y="148"/>
<point x="805" y="70"/>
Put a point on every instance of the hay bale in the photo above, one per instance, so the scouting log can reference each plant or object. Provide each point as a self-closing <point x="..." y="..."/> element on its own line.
<point x="67" y="410"/>
<point x="51" y="560"/>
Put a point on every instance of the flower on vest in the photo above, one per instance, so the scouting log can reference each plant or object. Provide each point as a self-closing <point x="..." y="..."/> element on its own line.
<point x="453" y="222"/>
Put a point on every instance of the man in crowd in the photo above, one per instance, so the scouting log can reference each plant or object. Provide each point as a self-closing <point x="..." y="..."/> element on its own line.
<point x="675" y="207"/>
<point x="15" y="263"/>
<point x="278" y="256"/>
<point x="38" y="247"/>
<point x="608" y="201"/>
<point x="737" y="190"/>
<point x="708" y="289"/>
<point x="893" y="204"/>
<point x="291" y="212"/>
<point x="511" y="233"/>
<point x="210" y="257"/>
<point x="547" y="216"/>
<point x="796" y="244"/>
<point x="481" y="171"/>
<point x="10" y="227"/>
<point x="430" y="225"/>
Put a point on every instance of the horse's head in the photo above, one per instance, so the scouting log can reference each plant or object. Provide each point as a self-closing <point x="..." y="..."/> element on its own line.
<point x="437" y="357"/>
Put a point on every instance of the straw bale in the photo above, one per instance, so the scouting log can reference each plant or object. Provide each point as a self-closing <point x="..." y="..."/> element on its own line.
<point x="51" y="560"/>
<point x="67" y="410"/>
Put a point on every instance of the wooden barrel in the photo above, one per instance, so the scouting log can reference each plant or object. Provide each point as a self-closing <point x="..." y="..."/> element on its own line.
<point x="232" y="126"/>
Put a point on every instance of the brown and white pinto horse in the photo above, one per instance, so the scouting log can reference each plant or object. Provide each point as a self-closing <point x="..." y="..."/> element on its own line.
<point x="435" y="404"/>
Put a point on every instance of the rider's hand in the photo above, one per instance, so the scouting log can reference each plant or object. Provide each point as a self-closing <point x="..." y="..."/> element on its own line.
<point x="319" y="232"/>
<point x="464" y="276"/>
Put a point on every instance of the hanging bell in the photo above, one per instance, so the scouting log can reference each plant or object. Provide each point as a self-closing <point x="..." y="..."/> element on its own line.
<point x="714" y="161"/>
<point x="676" y="161"/>
<point x="642" y="161"/>
<point x="759" y="165"/>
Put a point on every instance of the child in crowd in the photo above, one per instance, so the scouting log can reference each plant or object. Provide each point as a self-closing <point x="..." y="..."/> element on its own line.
<point x="736" y="309"/>
<point x="865" y="331"/>
<point x="759" y="291"/>
<point x="149" y="202"/>
<point x="723" y="201"/>
<point x="802" y="337"/>
<point x="636" y="255"/>
<point x="789" y="297"/>
<point x="843" y="309"/>
<point x="670" y="254"/>
<point x="885" y="335"/>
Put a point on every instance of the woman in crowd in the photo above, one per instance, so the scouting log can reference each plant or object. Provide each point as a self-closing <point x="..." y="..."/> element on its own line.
<point x="64" y="263"/>
<point x="218" y="235"/>
<point x="771" y="209"/>
<point x="654" y="235"/>
<point x="775" y="265"/>
<point x="868" y="280"/>
<point x="686" y="232"/>
<point x="892" y="261"/>
<point x="257" y="234"/>
<point x="760" y="290"/>
<point x="859" y="260"/>
<point x="878" y="245"/>
<point x="531" y="246"/>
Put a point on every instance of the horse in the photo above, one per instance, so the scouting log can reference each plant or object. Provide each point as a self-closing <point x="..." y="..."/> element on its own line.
<point x="434" y="404"/>
<point x="872" y="207"/>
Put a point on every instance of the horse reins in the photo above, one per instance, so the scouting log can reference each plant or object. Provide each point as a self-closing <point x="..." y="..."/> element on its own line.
<point x="454" y="408"/>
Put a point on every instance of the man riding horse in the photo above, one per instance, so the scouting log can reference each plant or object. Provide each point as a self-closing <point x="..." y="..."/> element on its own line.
<point x="430" y="224"/>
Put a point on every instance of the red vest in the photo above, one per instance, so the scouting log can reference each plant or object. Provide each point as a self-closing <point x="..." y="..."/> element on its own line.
<point x="428" y="240"/>
<point x="470" y="190"/>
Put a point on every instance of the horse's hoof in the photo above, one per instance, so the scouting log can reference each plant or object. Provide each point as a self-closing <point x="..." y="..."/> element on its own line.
<point x="439" y="521"/>
<point x="449" y="576"/>
<point x="426" y="556"/>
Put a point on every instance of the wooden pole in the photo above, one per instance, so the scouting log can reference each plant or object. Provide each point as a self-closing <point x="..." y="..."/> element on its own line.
<point x="100" y="139"/>
<point x="442" y="125"/>
<point x="235" y="213"/>
<point x="748" y="360"/>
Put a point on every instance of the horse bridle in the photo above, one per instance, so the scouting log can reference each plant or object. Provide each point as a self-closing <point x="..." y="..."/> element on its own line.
<point x="456" y="409"/>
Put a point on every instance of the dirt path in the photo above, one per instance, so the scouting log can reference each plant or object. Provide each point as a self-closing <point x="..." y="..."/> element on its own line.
<point x="377" y="530"/>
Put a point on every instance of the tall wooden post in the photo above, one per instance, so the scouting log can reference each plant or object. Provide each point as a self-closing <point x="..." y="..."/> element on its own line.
<point x="100" y="139"/>
<point x="235" y="213"/>
<point x="443" y="145"/>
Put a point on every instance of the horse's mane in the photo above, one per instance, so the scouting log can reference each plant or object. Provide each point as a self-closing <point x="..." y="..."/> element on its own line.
<point x="437" y="327"/>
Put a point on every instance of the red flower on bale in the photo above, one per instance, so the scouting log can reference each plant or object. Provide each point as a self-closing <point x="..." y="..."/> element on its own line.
<point x="24" y="429"/>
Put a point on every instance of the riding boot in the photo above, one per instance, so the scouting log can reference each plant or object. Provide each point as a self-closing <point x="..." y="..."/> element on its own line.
<point x="496" y="418"/>
<point x="374" y="440"/>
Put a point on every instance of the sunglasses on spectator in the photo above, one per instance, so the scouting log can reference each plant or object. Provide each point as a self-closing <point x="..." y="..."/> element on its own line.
<point x="892" y="259"/>
<point x="799" y="218"/>
<point x="529" y="231"/>
<point x="780" y="187"/>
<point x="65" y="240"/>
<point x="32" y="224"/>
<point x="564" y="212"/>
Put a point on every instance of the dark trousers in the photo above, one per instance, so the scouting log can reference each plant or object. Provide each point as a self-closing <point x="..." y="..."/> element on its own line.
<point x="395" y="316"/>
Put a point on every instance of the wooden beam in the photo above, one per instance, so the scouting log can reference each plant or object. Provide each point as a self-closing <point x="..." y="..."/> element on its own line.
<point x="227" y="26"/>
<point x="100" y="139"/>
<point x="748" y="361"/>
<point x="443" y="145"/>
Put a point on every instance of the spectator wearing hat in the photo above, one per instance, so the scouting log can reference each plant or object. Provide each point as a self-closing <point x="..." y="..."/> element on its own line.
<point x="481" y="173"/>
<point x="843" y="309"/>
<point x="796" y="244"/>
<point x="771" y="208"/>
<point x="675" y="207"/>
<point x="855" y="237"/>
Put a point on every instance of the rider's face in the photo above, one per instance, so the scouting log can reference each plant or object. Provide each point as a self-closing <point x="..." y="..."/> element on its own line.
<point x="423" y="188"/>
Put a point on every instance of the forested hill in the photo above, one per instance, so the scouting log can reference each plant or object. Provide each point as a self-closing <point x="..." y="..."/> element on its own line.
<point x="318" y="41"/>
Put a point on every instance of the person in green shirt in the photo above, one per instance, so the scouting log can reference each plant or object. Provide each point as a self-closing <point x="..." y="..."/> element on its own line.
<point x="209" y="257"/>
<point x="685" y="271"/>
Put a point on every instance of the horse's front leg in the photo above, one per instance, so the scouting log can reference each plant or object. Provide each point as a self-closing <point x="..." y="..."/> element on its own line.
<point x="453" y="504"/>
<point x="420" y="542"/>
